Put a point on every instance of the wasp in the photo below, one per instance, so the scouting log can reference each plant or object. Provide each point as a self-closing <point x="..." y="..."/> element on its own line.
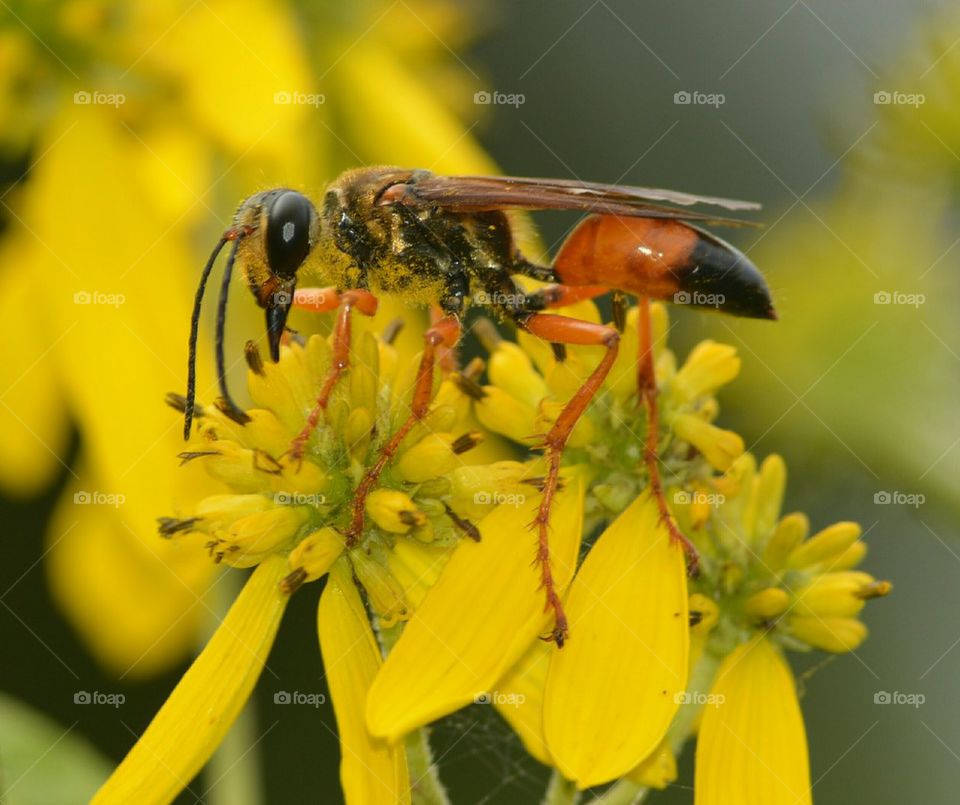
<point x="447" y="242"/>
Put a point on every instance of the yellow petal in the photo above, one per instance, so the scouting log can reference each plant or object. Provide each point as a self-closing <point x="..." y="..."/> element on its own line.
<point x="752" y="748"/>
<point x="370" y="769"/>
<point x="519" y="698"/>
<point x="204" y="704"/>
<point x="612" y="692"/>
<point x="482" y="614"/>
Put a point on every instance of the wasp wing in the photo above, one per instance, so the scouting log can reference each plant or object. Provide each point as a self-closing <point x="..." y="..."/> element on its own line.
<point x="484" y="193"/>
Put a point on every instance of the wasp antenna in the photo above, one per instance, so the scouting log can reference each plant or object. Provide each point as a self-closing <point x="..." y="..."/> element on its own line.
<point x="221" y="326"/>
<point x="188" y="408"/>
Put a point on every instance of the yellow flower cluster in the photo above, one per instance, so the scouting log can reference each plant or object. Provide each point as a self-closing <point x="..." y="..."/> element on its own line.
<point x="299" y="506"/>
<point x="444" y="565"/>
<point x="528" y="387"/>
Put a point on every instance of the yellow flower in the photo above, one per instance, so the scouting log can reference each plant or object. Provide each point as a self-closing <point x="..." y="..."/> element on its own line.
<point x="286" y="515"/>
<point x="139" y="147"/>
<point x="775" y="589"/>
<point x="528" y="387"/>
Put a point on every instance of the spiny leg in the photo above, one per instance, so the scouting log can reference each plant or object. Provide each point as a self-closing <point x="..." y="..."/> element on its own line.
<point x="443" y="333"/>
<point x="564" y="330"/>
<point x="319" y="300"/>
<point x="647" y="387"/>
<point x="446" y="356"/>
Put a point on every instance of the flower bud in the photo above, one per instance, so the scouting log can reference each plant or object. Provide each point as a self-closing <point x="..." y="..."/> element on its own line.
<point x="836" y="634"/>
<point x="510" y="369"/>
<point x="704" y="613"/>
<point x="719" y="447"/>
<point x="218" y="512"/>
<point x="504" y="414"/>
<point x="790" y="532"/>
<point x="825" y="545"/>
<point x="383" y="591"/>
<point x="358" y="432"/>
<point x="249" y="539"/>
<point x="767" y="604"/>
<point x="393" y="511"/>
<point x="312" y="557"/>
<point x="834" y="594"/>
<point x="708" y="367"/>
<point x="434" y="455"/>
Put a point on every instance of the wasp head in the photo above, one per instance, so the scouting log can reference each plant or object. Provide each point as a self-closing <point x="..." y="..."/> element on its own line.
<point x="283" y="226"/>
<point x="272" y="234"/>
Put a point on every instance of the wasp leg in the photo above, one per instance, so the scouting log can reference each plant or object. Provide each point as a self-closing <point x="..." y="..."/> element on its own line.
<point x="564" y="330"/>
<point x="319" y="300"/>
<point x="447" y="357"/>
<point x="647" y="388"/>
<point x="443" y="333"/>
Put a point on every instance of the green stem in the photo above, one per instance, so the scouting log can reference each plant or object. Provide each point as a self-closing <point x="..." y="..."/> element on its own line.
<point x="560" y="791"/>
<point x="624" y="792"/>
<point x="425" y="785"/>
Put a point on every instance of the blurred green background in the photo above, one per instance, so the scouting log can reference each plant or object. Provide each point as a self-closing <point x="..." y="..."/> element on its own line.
<point x="857" y="391"/>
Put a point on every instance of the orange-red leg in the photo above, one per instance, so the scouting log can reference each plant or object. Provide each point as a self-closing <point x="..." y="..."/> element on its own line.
<point x="319" y="300"/>
<point x="564" y="330"/>
<point x="647" y="386"/>
<point x="446" y="356"/>
<point x="444" y="333"/>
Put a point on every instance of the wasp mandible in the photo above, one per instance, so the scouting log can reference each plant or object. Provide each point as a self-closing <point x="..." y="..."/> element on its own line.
<point x="447" y="242"/>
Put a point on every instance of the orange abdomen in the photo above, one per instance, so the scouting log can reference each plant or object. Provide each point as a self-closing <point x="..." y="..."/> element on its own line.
<point x="663" y="259"/>
<point x="636" y="255"/>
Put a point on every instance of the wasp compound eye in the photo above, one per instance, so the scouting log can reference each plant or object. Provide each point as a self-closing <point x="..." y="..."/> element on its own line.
<point x="288" y="233"/>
